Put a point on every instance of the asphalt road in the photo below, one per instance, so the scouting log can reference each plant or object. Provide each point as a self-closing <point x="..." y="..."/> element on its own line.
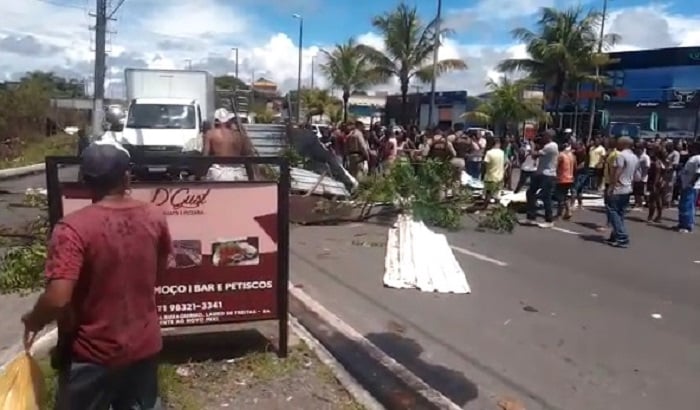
<point x="556" y="319"/>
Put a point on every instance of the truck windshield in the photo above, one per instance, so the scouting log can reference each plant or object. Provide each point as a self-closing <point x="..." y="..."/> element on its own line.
<point x="162" y="116"/>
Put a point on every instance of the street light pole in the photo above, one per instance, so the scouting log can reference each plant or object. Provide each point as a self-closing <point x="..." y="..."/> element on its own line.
<point x="591" y="118"/>
<point x="431" y="108"/>
<point x="235" y="49"/>
<point x="301" y="39"/>
<point x="313" y="63"/>
<point x="189" y="63"/>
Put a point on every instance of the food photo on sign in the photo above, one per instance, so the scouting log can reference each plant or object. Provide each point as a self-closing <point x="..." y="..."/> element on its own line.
<point x="236" y="252"/>
<point x="187" y="254"/>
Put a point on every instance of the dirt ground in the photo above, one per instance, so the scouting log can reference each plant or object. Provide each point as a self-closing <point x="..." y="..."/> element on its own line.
<point x="237" y="367"/>
<point x="241" y="370"/>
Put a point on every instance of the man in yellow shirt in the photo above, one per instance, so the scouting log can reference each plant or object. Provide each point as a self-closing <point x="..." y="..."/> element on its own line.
<point x="596" y="162"/>
<point x="494" y="170"/>
<point x="608" y="176"/>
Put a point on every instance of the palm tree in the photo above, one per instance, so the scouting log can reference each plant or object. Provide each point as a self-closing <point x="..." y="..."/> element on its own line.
<point x="317" y="102"/>
<point x="507" y="107"/>
<point x="348" y="69"/>
<point x="561" y="49"/>
<point x="408" y="50"/>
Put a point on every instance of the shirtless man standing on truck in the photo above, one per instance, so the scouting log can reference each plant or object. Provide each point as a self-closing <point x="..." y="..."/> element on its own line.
<point x="226" y="140"/>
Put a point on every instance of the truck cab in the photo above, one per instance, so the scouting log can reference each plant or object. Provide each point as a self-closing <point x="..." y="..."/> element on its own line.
<point x="167" y="115"/>
<point x="160" y="126"/>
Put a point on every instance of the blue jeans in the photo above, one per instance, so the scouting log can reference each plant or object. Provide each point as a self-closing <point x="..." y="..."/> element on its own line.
<point x="89" y="386"/>
<point x="584" y="179"/>
<point x="686" y="208"/>
<point x="473" y="169"/>
<point x="544" y="184"/>
<point x="615" y="208"/>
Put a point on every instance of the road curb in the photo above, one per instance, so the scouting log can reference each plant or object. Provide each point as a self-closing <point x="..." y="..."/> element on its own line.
<point x="349" y="383"/>
<point x="40" y="348"/>
<point x="10" y="173"/>
<point x="405" y="391"/>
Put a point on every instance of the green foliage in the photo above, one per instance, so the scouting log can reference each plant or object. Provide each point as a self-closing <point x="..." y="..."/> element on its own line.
<point x="408" y="49"/>
<point x="562" y="50"/>
<point x="507" y="107"/>
<point x="500" y="219"/>
<point x="349" y="69"/>
<point x="421" y="189"/>
<point x="27" y="151"/>
<point x="294" y="158"/>
<point x="26" y="116"/>
<point x="22" y="267"/>
<point x="264" y="115"/>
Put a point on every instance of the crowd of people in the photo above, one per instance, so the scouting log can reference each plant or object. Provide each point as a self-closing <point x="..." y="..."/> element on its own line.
<point x="556" y="167"/>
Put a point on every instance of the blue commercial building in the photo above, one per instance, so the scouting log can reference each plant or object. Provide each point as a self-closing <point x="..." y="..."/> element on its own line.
<point x="449" y="106"/>
<point x="658" y="90"/>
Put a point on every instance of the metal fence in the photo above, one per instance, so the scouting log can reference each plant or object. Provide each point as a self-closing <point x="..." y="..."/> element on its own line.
<point x="268" y="139"/>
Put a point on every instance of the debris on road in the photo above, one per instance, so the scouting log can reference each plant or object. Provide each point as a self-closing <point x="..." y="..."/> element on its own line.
<point x="656" y="316"/>
<point x="530" y="309"/>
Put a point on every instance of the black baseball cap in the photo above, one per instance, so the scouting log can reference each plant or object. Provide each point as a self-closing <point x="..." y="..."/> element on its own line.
<point x="104" y="161"/>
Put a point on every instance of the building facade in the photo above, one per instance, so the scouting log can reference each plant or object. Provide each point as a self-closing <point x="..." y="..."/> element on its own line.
<point x="449" y="107"/>
<point x="647" y="92"/>
<point x="657" y="89"/>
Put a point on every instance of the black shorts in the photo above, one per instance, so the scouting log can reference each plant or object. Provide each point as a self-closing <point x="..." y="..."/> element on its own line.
<point x="638" y="188"/>
<point x="563" y="189"/>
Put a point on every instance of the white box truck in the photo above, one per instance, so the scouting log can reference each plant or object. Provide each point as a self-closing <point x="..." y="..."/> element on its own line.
<point x="166" y="114"/>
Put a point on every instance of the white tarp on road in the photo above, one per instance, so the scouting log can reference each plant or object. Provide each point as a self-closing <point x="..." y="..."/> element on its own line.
<point x="418" y="258"/>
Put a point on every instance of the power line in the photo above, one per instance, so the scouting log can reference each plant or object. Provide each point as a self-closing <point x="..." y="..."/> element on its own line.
<point x="115" y="9"/>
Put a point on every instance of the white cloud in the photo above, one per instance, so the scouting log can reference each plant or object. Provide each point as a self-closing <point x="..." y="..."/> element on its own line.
<point x="165" y="35"/>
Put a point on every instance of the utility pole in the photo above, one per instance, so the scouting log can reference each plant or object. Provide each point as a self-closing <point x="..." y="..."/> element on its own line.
<point x="313" y="63"/>
<point x="100" y="67"/>
<point x="252" y="88"/>
<point x="301" y="39"/>
<point x="591" y="120"/>
<point x="235" y="49"/>
<point x="435" y="64"/>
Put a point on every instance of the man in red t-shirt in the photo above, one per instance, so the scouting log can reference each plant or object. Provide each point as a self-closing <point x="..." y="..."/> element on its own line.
<point x="101" y="271"/>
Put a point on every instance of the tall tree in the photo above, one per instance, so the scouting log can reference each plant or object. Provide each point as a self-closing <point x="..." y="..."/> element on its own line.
<point x="55" y="86"/>
<point x="561" y="49"/>
<point x="346" y="67"/>
<point x="317" y="102"/>
<point x="408" y="50"/>
<point x="507" y="107"/>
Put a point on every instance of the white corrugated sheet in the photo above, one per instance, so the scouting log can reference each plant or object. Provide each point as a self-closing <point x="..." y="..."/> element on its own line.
<point x="304" y="180"/>
<point x="419" y="258"/>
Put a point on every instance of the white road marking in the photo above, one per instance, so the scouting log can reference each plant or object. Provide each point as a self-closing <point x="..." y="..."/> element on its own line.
<point x="563" y="230"/>
<point x="479" y="256"/>
<point x="373" y="351"/>
<point x="656" y="315"/>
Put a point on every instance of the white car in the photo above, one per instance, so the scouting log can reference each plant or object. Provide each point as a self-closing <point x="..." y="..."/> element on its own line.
<point x="484" y="131"/>
<point x="319" y="129"/>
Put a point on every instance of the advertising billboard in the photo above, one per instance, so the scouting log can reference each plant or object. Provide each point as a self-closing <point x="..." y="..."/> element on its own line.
<point x="230" y="246"/>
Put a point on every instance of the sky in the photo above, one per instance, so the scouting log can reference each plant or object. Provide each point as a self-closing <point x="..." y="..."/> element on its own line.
<point x="55" y="35"/>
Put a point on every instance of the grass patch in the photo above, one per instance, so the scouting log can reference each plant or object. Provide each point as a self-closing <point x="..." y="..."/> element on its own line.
<point x="258" y="379"/>
<point x="174" y="390"/>
<point x="35" y="150"/>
